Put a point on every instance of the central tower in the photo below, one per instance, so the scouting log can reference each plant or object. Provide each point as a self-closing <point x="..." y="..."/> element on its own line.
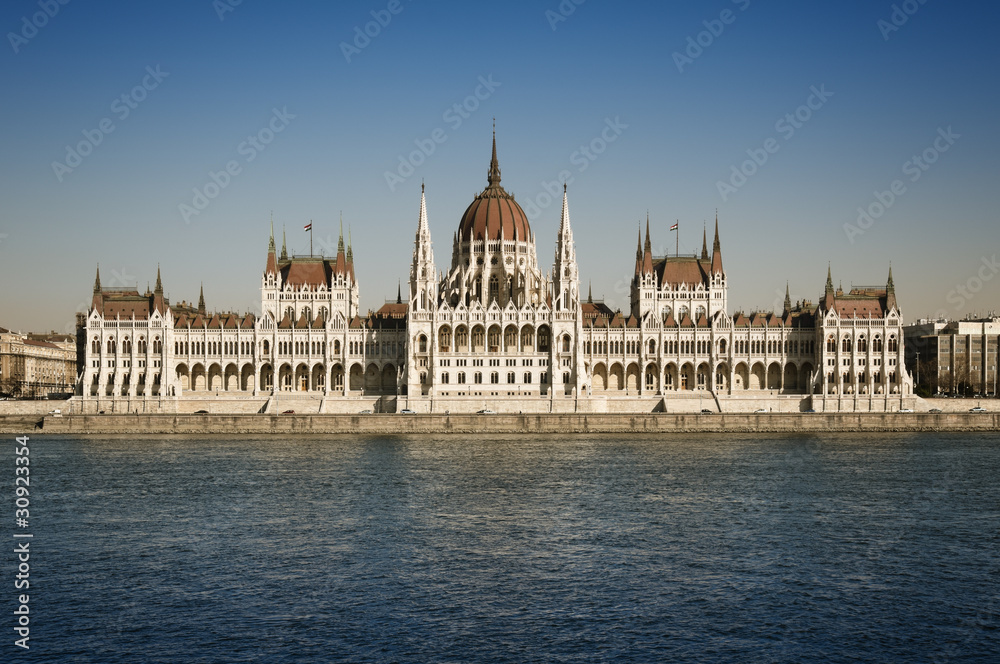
<point x="493" y="253"/>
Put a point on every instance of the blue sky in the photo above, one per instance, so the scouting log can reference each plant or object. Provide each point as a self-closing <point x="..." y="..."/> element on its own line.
<point x="336" y="119"/>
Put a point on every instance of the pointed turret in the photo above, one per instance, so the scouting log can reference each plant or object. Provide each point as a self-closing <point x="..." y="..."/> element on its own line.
<point x="423" y="287"/>
<point x="272" y="259"/>
<point x="590" y="293"/>
<point x="829" y="281"/>
<point x="399" y="292"/>
<point x="158" y="304"/>
<point x="788" y="299"/>
<point x="340" y="267"/>
<point x="201" y="301"/>
<point x="97" y="280"/>
<point x="638" y="255"/>
<point x="704" y="244"/>
<point x="564" y="271"/>
<point x="716" y="249"/>
<point x="890" y="292"/>
<point x="350" y="254"/>
<point x="284" y="248"/>
<point x="647" y="252"/>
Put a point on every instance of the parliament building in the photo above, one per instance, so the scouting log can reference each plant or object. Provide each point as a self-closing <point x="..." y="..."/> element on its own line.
<point x="492" y="331"/>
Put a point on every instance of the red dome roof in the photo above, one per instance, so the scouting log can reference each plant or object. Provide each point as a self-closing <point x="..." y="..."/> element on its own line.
<point x="494" y="212"/>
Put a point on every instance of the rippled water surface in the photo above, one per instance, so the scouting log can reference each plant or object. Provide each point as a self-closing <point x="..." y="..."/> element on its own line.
<point x="521" y="549"/>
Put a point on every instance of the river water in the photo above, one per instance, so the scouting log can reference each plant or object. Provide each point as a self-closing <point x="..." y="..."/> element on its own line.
<point x="798" y="548"/>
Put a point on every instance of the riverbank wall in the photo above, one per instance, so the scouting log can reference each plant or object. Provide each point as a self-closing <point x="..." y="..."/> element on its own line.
<point x="551" y="424"/>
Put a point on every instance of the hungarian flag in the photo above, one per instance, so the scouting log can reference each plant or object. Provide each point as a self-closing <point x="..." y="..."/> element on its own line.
<point x="309" y="226"/>
<point x="674" y="227"/>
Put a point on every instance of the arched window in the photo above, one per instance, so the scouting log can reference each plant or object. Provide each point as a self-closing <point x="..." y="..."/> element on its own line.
<point x="543" y="339"/>
<point x="877" y="344"/>
<point x="444" y="339"/>
<point x="722" y="346"/>
<point x="510" y="377"/>
<point x="336" y="347"/>
<point x="831" y="344"/>
<point x="893" y="348"/>
<point x="527" y="378"/>
<point x="422" y="344"/>
<point x="862" y="344"/>
<point x="444" y="378"/>
<point x="494" y="288"/>
<point x="845" y="345"/>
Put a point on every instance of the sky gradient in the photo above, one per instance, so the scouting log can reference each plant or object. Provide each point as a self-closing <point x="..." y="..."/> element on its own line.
<point x="310" y="118"/>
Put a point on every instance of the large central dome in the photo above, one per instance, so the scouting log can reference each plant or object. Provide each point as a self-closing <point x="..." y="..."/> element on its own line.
<point x="494" y="212"/>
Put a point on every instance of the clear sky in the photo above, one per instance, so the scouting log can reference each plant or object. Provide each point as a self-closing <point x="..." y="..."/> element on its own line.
<point x="115" y="112"/>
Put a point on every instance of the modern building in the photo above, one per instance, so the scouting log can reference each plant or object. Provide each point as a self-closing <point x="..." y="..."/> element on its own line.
<point x="956" y="357"/>
<point x="493" y="330"/>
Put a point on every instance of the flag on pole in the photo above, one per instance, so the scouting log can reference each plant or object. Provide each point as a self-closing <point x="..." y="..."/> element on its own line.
<point x="674" y="227"/>
<point x="309" y="226"/>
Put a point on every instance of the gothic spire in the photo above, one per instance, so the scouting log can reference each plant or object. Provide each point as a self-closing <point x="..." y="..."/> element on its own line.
<point x="716" y="249"/>
<point x="201" y="301"/>
<point x="890" y="288"/>
<point x="350" y="246"/>
<point x="97" y="281"/>
<point x="788" y="299"/>
<point x="159" y="284"/>
<point x="704" y="244"/>
<point x="284" y="249"/>
<point x="340" y="241"/>
<point x="494" y="174"/>
<point x="270" y="244"/>
<point x="399" y="292"/>
<point x="590" y="293"/>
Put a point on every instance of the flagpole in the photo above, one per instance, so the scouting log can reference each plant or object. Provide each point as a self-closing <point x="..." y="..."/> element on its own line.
<point x="310" y="238"/>
<point x="677" y="249"/>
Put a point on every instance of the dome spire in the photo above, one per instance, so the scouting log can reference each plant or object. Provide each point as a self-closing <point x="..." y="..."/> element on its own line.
<point x="494" y="174"/>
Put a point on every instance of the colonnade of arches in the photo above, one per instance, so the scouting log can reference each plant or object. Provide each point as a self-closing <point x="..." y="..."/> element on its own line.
<point x="373" y="379"/>
<point x="480" y="338"/>
<point x="618" y="377"/>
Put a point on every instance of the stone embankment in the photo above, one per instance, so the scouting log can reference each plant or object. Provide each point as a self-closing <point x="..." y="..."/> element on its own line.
<point x="660" y="423"/>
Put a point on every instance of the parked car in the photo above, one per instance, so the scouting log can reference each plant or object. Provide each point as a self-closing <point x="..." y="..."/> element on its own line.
<point x="905" y="410"/>
<point x="761" y="410"/>
<point x="201" y="412"/>
<point x="407" y="411"/>
<point x="486" y="411"/>
<point x="934" y="410"/>
<point x="55" y="413"/>
<point x="366" y="411"/>
<point x="977" y="409"/>
<point x="706" y="411"/>
<point x="288" y="412"/>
